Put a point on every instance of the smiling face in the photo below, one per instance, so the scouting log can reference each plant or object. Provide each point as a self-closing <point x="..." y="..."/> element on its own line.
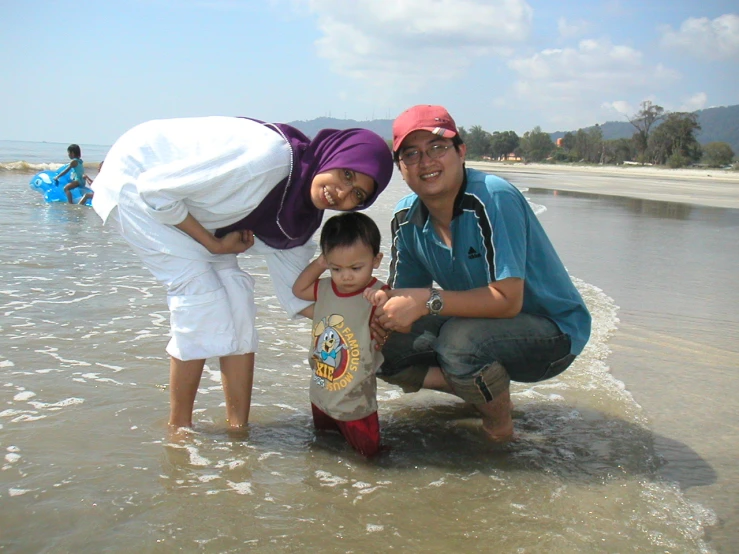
<point x="432" y="178"/>
<point x="351" y="266"/>
<point x="341" y="189"/>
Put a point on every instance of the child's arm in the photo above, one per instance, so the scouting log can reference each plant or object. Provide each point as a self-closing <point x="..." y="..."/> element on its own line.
<point x="304" y="287"/>
<point x="87" y="179"/>
<point x="70" y="165"/>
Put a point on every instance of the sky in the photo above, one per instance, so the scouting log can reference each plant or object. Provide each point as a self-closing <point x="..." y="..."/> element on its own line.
<point x="85" y="71"/>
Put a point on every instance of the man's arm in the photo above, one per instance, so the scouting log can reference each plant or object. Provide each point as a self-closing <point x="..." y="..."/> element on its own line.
<point x="500" y="299"/>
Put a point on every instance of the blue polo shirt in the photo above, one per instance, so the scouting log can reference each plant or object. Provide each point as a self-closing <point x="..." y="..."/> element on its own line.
<point x="495" y="235"/>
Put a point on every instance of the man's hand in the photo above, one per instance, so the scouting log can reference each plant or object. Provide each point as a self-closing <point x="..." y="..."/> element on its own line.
<point x="402" y="308"/>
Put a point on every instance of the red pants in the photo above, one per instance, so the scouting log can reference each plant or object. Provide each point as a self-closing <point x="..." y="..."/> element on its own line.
<point x="363" y="434"/>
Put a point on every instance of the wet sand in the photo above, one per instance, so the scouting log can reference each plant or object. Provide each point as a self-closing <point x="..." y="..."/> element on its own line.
<point x="703" y="187"/>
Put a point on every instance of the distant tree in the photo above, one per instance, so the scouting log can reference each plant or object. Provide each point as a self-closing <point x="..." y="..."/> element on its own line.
<point x="568" y="141"/>
<point x="503" y="143"/>
<point x="594" y="148"/>
<point x="618" y="151"/>
<point x="478" y="142"/>
<point x="717" y="154"/>
<point x="643" y="121"/>
<point x="675" y="139"/>
<point x="463" y="134"/>
<point x="536" y="145"/>
<point x="580" y="147"/>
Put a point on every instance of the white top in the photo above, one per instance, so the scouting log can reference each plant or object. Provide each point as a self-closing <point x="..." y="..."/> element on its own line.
<point x="216" y="168"/>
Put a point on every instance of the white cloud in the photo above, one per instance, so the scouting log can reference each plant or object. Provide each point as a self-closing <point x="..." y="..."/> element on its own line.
<point x="705" y="38"/>
<point x="572" y="29"/>
<point x="619" y="106"/>
<point x="696" y="102"/>
<point x="570" y="84"/>
<point x="416" y="42"/>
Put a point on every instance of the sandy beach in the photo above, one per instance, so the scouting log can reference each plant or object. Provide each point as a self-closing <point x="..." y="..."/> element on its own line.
<point x="705" y="187"/>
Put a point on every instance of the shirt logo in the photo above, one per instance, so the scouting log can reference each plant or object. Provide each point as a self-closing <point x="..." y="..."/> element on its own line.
<point x="472" y="254"/>
<point x="335" y="356"/>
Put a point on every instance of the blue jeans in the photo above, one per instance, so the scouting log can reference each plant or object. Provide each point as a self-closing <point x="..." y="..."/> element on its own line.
<point x="530" y="348"/>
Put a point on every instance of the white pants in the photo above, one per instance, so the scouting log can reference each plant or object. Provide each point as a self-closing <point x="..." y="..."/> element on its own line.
<point x="211" y="300"/>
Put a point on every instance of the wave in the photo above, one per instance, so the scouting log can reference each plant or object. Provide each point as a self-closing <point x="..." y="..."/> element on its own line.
<point x="34" y="167"/>
<point x="22" y="166"/>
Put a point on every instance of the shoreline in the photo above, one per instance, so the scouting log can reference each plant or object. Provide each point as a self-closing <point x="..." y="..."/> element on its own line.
<point x="706" y="187"/>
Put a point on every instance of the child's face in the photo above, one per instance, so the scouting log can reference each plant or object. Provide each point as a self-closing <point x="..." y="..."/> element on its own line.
<point x="351" y="266"/>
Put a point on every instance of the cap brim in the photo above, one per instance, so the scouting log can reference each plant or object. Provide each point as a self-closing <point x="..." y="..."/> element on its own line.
<point x="440" y="131"/>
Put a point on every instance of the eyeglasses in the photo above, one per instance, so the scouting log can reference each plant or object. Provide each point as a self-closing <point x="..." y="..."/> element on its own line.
<point x="412" y="157"/>
<point x="359" y="196"/>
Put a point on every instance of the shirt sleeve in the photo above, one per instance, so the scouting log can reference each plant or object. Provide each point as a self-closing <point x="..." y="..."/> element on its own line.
<point x="165" y="188"/>
<point x="284" y="267"/>
<point x="509" y="235"/>
<point x="204" y="166"/>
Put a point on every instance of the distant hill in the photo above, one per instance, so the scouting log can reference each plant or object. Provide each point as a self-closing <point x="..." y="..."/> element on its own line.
<point x="383" y="127"/>
<point x="717" y="124"/>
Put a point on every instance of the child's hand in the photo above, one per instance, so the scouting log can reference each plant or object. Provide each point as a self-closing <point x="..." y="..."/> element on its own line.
<point x="376" y="297"/>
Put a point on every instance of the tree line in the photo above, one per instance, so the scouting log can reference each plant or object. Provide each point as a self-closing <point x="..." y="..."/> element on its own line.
<point x="660" y="138"/>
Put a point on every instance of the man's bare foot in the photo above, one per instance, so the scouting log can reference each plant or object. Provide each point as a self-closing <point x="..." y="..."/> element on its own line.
<point x="502" y="433"/>
<point x="496" y="417"/>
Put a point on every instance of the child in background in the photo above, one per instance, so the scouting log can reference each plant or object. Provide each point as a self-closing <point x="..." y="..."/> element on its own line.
<point x="88" y="195"/>
<point x="79" y="179"/>
<point x="343" y="359"/>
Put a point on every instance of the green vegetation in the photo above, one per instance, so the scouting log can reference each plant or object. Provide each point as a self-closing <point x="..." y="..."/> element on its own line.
<point x="717" y="154"/>
<point x="659" y="138"/>
<point x="708" y="137"/>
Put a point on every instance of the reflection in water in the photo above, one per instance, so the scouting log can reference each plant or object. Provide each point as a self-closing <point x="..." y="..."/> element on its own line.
<point x="652" y="208"/>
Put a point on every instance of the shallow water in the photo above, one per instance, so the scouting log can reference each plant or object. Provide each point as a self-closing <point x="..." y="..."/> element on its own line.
<point x="88" y="466"/>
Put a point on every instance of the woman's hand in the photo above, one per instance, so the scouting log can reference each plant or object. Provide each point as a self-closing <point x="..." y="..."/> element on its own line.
<point x="235" y="242"/>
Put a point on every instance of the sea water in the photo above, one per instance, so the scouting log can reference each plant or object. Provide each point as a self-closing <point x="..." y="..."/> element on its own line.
<point x="87" y="464"/>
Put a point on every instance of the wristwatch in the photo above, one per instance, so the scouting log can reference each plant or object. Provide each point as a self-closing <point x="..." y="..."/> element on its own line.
<point x="435" y="303"/>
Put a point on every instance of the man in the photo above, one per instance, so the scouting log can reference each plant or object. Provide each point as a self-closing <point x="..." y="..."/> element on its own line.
<point x="506" y="308"/>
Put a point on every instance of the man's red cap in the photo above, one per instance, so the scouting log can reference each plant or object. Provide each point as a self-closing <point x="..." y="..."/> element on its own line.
<point x="423" y="117"/>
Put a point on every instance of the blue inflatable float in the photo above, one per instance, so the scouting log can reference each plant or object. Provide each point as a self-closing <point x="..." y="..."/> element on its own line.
<point x="53" y="191"/>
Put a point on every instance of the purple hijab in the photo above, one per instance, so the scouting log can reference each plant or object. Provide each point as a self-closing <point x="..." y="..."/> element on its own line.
<point x="287" y="217"/>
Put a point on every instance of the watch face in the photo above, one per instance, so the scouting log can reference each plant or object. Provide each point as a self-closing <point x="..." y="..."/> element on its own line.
<point x="436" y="304"/>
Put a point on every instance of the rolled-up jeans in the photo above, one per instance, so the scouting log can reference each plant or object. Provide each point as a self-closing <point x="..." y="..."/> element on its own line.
<point x="477" y="356"/>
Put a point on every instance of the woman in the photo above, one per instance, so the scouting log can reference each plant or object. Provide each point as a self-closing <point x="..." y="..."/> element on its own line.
<point x="190" y="194"/>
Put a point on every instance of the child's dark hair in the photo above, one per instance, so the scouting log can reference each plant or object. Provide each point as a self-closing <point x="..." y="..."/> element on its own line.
<point x="348" y="228"/>
<point x="74" y="150"/>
